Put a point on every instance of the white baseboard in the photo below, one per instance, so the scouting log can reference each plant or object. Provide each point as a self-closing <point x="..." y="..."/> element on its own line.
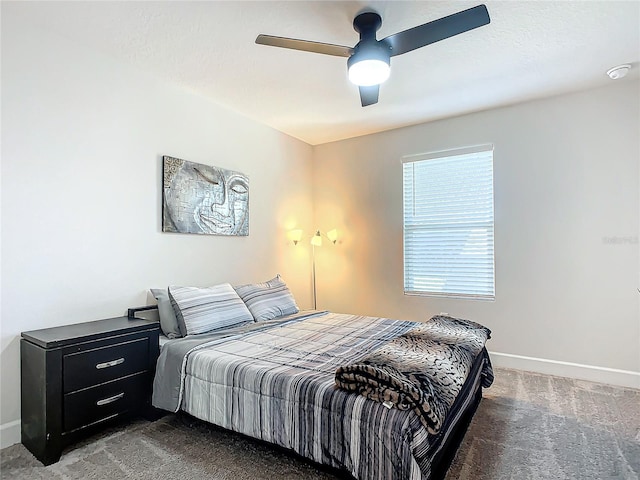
<point x="9" y="433"/>
<point x="611" y="376"/>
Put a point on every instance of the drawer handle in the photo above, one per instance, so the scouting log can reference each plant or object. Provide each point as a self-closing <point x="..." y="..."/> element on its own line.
<point x="106" y="401"/>
<point x="112" y="363"/>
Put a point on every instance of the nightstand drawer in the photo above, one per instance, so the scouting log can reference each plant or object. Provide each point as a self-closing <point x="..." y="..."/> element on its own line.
<point x="93" y="367"/>
<point x="104" y="401"/>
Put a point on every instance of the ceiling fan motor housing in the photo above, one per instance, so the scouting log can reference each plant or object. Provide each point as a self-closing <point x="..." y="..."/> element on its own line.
<point x="370" y="51"/>
<point x="368" y="48"/>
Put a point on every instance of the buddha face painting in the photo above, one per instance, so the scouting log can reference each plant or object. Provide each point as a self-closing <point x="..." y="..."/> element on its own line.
<point x="204" y="199"/>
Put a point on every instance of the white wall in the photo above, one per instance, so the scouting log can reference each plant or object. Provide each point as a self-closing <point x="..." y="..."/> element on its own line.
<point x="566" y="174"/>
<point x="82" y="140"/>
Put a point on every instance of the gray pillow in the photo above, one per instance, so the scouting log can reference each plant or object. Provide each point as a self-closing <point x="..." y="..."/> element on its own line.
<point x="168" y="321"/>
<point x="268" y="300"/>
<point x="201" y="310"/>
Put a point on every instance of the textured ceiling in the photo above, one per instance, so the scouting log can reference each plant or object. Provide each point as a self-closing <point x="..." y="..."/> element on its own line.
<point x="530" y="50"/>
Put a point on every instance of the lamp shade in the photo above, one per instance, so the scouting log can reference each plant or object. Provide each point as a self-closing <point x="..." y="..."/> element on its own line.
<point x="316" y="240"/>
<point x="295" y="236"/>
<point x="367" y="73"/>
<point x="332" y="235"/>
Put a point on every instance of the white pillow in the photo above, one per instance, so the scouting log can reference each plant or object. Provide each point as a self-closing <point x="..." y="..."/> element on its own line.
<point x="168" y="321"/>
<point x="200" y="310"/>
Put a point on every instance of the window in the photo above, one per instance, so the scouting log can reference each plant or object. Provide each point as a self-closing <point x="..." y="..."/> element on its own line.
<point x="448" y="223"/>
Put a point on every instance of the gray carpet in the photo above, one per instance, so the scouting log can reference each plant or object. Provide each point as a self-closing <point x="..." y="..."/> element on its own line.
<point x="528" y="426"/>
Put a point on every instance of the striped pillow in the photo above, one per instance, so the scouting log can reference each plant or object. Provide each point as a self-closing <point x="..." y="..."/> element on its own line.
<point x="200" y="310"/>
<point x="268" y="300"/>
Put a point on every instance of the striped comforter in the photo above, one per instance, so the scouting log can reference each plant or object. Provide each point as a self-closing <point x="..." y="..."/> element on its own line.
<point x="275" y="381"/>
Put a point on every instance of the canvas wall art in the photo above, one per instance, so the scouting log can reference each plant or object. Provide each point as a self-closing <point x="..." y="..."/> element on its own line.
<point x="203" y="199"/>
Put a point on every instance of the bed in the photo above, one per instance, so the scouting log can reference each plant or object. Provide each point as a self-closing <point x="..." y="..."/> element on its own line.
<point x="277" y="381"/>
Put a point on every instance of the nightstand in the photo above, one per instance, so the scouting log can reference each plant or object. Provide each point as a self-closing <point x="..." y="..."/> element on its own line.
<point x="75" y="379"/>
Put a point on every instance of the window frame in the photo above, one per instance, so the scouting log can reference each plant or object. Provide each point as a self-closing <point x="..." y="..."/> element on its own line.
<point x="444" y="155"/>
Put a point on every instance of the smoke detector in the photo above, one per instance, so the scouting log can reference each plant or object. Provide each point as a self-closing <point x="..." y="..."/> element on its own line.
<point x="618" y="72"/>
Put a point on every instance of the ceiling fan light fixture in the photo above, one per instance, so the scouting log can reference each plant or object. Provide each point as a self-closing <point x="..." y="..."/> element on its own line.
<point x="366" y="73"/>
<point x="369" y="65"/>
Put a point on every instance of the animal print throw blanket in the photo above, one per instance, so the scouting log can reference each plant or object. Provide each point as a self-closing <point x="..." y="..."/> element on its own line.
<point x="423" y="369"/>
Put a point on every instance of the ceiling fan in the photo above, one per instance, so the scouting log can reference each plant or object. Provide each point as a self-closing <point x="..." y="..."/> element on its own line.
<point x="369" y="61"/>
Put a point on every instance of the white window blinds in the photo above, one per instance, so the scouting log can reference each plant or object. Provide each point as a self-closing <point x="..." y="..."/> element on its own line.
<point x="448" y="223"/>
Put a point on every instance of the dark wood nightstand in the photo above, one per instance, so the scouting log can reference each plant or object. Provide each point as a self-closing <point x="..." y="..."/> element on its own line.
<point x="77" y="378"/>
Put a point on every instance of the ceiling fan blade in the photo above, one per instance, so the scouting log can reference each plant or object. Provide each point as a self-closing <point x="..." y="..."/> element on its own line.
<point x="305" y="45"/>
<point x="369" y="95"/>
<point x="437" y="30"/>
